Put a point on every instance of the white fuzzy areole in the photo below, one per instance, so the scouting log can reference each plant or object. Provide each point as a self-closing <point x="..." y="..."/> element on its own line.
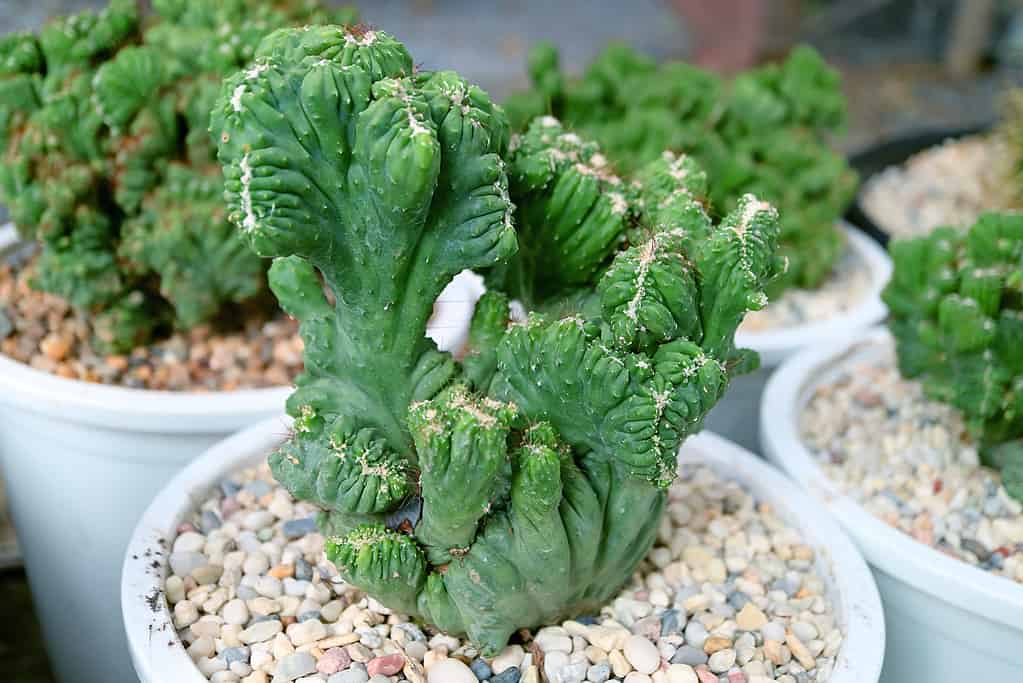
<point x="367" y="39"/>
<point x="236" y="96"/>
<point x="618" y="204"/>
<point x="646" y="257"/>
<point x="249" y="219"/>
<point x="750" y="211"/>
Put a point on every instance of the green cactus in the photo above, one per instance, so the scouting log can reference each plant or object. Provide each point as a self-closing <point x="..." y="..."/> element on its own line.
<point x="527" y="483"/>
<point x="109" y="164"/>
<point x="766" y="133"/>
<point x="956" y="302"/>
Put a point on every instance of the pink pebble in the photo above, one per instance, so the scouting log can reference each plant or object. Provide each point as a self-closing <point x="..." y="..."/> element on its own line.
<point x="706" y="676"/>
<point x="229" y="506"/>
<point x="333" y="660"/>
<point x="387" y="665"/>
<point x="185" y="528"/>
<point x="736" y="677"/>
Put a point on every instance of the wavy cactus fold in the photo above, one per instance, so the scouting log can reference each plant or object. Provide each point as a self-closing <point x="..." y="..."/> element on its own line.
<point x="108" y="163"/>
<point x="956" y="302"/>
<point x="524" y="483"/>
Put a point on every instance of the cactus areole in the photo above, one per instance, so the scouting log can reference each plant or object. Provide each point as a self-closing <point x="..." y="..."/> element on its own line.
<point x="526" y="483"/>
<point x="956" y="302"/>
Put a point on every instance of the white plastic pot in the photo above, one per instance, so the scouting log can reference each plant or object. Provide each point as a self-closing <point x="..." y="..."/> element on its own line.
<point x="159" y="656"/>
<point x="82" y="461"/>
<point x="737" y="414"/>
<point x="948" y="621"/>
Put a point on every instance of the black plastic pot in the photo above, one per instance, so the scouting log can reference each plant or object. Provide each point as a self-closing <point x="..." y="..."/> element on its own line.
<point x="893" y="152"/>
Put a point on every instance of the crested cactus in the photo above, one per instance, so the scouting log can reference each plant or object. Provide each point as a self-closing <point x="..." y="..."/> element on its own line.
<point x="956" y="302"/>
<point x="526" y="483"/>
<point x="766" y="132"/>
<point x="108" y="162"/>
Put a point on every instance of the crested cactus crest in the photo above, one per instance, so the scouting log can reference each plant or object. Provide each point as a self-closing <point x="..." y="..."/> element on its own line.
<point x="526" y="482"/>
<point x="108" y="163"/>
<point x="956" y="302"/>
<point x="766" y="133"/>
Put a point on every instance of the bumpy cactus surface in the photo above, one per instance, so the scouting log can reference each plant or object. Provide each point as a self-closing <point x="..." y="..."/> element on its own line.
<point x="107" y="159"/>
<point x="527" y="483"/>
<point x="766" y="132"/>
<point x="956" y="302"/>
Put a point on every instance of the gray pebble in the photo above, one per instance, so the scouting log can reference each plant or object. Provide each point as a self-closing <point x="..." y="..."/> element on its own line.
<point x="303" y="570"/>
<point x="413" y="631"/>
<point x="671" y="622"/>
<point x="6" y="327"/>
<point x="235" y="654"/>
<point x="687" y="654"/>
<point x="972" y="546"/>
<point x="263" y="617"/>
<point x="306" y="616"/>
<point x="210" y="521"/>
<point x="258" y="488"/>
<point x="229" y="488"/>
<point x="481" y="669"/>
<point x="772" y="630"/>
<point x="247" y="592"/>
<point x="598" y="673"/>
<point x="738" y="600"/>
<point x="696" y="634"/>
<point x="183" y="564"/>
<point x="509" y="675"/>
<point x="352" y="675"/>
<point x="297" y="528"/>
<point x="294" y="666"/>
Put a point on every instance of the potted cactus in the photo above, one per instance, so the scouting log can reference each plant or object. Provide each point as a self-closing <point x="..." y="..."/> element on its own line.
<point x="767" y="132"/>
<point x="515" y="488"/>
<point x="110" y="175"/>
<point x="913" y="435"/>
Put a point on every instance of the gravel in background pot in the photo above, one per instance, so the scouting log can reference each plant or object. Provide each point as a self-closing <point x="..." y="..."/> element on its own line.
<point x="705" y="535"/>
<point x="737" y="414"/>
<point x="83" y="460"/>
<point x="905" y="166"/>
<point x="948" y="619"/>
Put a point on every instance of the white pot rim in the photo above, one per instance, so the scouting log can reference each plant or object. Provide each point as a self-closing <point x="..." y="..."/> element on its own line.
<point x="774" y="346"/>
<point x="162" y="411"/>
<point x="945" y="578"/>
<point x="159" y="656"/>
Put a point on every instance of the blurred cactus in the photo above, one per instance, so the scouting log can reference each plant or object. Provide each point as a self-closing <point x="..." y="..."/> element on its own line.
<point x="108" y="163"/>
<point x="528" y="483"/>
<point x="766" y="132"/>
<point x="956" y="302"/>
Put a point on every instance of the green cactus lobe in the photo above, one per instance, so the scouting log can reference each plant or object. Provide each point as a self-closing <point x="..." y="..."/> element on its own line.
<point x="525" y="483"/>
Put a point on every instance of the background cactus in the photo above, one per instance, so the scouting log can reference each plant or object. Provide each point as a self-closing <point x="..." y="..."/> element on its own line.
<point x="766" y="132"/>
<point x="527" y="483"/>
<point x="956" y="302"/>
<point x="108" y="162"/>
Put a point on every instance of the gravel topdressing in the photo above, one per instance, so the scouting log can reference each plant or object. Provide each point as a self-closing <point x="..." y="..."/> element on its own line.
<point x="909" y="461"/>
<point x="844" y="289"/>
<point x="41" y="330"/>
<point x="729" y="594"/>
<point x="950" y="184"/>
